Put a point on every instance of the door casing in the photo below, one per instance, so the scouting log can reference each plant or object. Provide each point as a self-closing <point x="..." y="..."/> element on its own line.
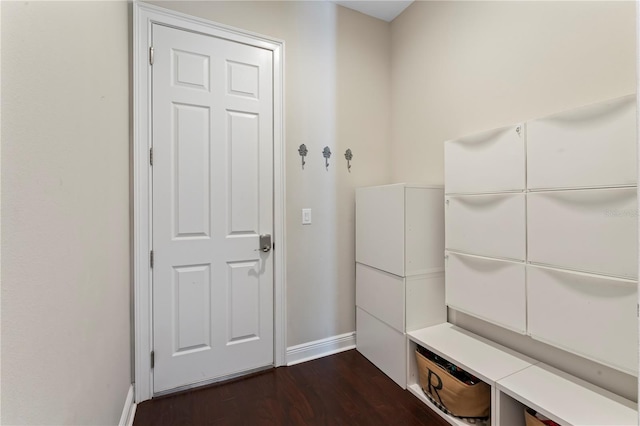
<point x="144" y="15"/>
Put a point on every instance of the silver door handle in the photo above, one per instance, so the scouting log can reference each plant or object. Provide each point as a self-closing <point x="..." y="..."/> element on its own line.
<point x="265" y="243"/>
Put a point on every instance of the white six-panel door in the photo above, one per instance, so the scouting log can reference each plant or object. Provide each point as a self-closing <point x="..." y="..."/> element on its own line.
<point x="212" y="198"/>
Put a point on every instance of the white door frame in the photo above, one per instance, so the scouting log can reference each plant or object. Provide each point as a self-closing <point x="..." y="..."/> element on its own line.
<point x="144" y="15"/>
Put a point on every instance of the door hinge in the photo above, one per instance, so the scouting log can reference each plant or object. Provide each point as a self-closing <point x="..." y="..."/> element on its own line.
<point x="151" y="156"/>
<point x="153" y="359"/>
<point x="151" y="55"/>
<point x="151" y="258"/>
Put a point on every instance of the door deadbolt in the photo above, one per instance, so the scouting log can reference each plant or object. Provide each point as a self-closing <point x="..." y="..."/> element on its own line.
<point x="265" y="243"/>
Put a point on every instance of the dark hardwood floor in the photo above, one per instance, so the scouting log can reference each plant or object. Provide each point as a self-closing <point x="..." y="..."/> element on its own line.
<point x="342" y="389"/>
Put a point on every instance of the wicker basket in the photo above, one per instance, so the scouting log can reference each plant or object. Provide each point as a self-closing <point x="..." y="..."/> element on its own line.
<point x="450" y="394"/>
<point x="531" y="420"/>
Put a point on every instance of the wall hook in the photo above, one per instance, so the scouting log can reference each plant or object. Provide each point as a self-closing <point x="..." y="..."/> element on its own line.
<point x="326" y="153"/>
<point x="303" y="153"/>
<point x="348" y="155"/>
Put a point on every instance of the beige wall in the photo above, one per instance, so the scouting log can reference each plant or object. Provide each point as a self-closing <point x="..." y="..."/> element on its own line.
<point x="462" y="67"/>
<point x="65" y="187"/>
<point x="336" y="94"/>
<point x="65" y="216"/>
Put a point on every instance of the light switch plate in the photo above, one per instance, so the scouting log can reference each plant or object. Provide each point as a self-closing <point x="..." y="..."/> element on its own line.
<point x="306" y="216"/>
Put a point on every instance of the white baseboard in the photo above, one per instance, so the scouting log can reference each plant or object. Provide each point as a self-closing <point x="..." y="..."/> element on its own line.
<point x="320" y="348"/>
<point x="129" y="410"/>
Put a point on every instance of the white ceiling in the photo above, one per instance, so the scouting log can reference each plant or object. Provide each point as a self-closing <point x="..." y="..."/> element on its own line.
<point x="387" y="10"/>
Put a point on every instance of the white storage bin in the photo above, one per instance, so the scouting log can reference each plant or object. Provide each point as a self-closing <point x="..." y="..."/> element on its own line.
<point x="585" y="230"/>
<point x="491" y="161"/>
<point x="493" y="290"/>
<point x="381" y="294"/>
<point x="588" y="315"/>
<point x="399" y="228"/>
<point x="487" y="225"/>
<point x="592" y="146"/>
<point x="383" y="346"/>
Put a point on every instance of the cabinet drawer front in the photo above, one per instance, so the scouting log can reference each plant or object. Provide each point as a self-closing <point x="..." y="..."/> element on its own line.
<point x="380" y="227"/>
<point x="588" y="315"/>
<point x="490" y="161"/>
<point x="382" y="345"/>
<point x="586" y="230"/>
<point x="381" y="294"/>
<point x="585" y="147"/>
<point x="487" y="225"/>
<point x="492" y="290"/>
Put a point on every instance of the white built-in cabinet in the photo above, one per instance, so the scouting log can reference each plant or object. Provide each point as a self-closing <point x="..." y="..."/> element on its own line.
<point x="582" y="232"/>
<point x="486" y="238"/>
<point x="541" y="239"/>
<point x="545" y="243"/>
<point x="399" y="270"/>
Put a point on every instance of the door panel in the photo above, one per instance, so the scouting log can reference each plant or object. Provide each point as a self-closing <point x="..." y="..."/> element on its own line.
<point x="244" y="302"/>
<point x="243" y="146"/>
<point x="192" y="310"/>
<point x="193" y="168"/>
<point x="212" y="198"/>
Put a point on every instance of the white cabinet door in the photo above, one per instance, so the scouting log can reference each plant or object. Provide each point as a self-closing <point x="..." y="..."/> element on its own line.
<point x="382" y="345"/>
<point x="493" y="290"/>
<point x="487" y="225"/>
<point x="381" y="294"/>
<point x="588" y="315"/>
<point x="492" y="161"/>
<point x="585" y="230"/>
<point x="585" y="147"/>
<point x="380" y="227"/>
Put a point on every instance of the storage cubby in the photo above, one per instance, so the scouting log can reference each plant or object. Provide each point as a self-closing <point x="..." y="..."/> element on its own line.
<point x="508" y="410"/>
<point x="481" y="357"/>
<point x="564" y="399"/>
<point x="413" y="385"/>
<point x="517" y="381"/>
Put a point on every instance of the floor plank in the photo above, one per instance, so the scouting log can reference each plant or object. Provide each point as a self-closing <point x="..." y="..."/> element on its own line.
<point x="341" y="389"/>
